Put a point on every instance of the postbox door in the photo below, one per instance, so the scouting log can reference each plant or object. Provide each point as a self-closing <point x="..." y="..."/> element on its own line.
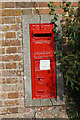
<point x="42" y="61"/>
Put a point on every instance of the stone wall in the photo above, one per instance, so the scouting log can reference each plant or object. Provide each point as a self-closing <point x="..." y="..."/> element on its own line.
<point x="11" y="61"/>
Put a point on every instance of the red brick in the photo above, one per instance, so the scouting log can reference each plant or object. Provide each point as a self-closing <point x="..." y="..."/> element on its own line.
<point x="3" y="81"/>
<point x="25" y="4"/>
<point x="59" y="11"/>
<point x="4" y="95"/>
<point x="0" y="12"/>
<point x="21" y="79"/>
<point x="57" y="4"/>
<point x="11" y="12"/>
<point x="19" y="34"/>
<point x="41" y="4"/>
<point x="9" y="4"/>
<point x="5" y="28"/>
<point x="8" y="20"/>
<point x="1" y="27"/>
<point x="11" y="102"/>
<point x="41" y="11"/>
<point x="11" y="80"/>
<point x="9" y="87"/>
<point x="12" y="87"/>
<point x="0" y="81"/>
<point x="12" y="73"/>
<point x="20" y="65"/>
<point x="13" y="95"/>
<point x="10" y="65"/>
<point x="13" y="110"/>
<point x="75" y="4"/>
<point x="20" y="87"/>
<point x="1" y="58"/>
<point x="0" y="73"/>
<point x="10" y="35"/>
<point x="21" y="94"/>
<point x="11" y="50"/>
<point x="27" y="11"/>
<point x="1" y="35"/>
<point x="2" y="50"/>
<point x="20" y="50"/>
<point x="11" y="57"/>
<point x="0" y="94"/>
<point x="4" y="110"/>
<point x="1" y="21"/>
<point x="14" y="27"/>
<point x="0" y="103"/>
<point x="0" y="4"/>
<point x="2" y="65"/>
<point x="15" y="42"/>
<point x="0" y="43"/>
<point x="18" y="19"/>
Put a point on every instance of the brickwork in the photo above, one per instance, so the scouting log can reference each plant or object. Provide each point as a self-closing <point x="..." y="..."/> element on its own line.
<point x="11" y="61"/>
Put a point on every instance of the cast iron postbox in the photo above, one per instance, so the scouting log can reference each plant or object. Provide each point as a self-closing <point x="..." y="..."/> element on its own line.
<point x="42" y="61"/>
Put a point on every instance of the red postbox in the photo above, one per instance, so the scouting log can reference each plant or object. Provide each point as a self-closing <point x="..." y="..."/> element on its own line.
<point x="42" y="61"/>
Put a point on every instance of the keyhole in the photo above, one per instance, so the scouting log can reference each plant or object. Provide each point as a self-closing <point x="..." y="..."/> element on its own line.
<point x="38" y="79"/>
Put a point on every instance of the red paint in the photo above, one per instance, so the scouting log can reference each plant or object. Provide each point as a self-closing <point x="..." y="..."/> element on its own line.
<point x="42" y="48"/>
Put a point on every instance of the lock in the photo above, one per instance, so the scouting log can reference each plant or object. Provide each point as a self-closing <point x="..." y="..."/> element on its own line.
<point x="43" y="73"/>
<point x="40" y="81"/>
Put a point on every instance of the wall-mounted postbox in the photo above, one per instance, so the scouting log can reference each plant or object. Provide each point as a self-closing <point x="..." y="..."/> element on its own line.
<point x="42" y="61"/>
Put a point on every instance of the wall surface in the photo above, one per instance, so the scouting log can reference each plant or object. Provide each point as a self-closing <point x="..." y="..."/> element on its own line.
<point x="12" y="100"/>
